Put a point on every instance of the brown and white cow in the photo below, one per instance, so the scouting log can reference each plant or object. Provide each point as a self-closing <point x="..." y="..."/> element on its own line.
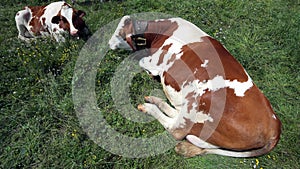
<point x="53" y="20"/>
<point x="214" y="103"/>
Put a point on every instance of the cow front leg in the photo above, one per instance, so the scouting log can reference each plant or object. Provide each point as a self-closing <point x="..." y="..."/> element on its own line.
<point x="153" y="110"/>
<point x="162" y="105"/>
<point x="166" y="115"/>
<point x="58" y="37"/>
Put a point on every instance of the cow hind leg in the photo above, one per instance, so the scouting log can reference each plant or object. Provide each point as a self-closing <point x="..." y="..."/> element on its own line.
<point x="199" y="142"/>
<point x="195" y="146"/>
<point x="188" y="149"/>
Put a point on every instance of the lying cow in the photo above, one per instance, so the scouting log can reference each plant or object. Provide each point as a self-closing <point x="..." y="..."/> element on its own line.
<point x="53" y="20"/>
<point x="215" y="104"/>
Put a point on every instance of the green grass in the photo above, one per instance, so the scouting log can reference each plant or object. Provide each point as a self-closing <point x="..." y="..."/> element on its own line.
<point x="38" y="124"/>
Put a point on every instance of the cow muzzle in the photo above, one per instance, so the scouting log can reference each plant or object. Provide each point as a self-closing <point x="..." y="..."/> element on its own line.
<point x="74" y="32"/>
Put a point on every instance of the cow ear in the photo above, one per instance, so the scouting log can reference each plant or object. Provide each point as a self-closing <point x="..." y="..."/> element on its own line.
<point x="55" y="19"/>
<point x="81" y="13"/>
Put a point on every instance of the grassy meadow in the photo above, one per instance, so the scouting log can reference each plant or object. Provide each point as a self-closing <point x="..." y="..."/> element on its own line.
<point x="39" y="127"/>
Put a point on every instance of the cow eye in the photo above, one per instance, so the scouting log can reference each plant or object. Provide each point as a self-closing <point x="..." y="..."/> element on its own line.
<point x="64" y="19"/>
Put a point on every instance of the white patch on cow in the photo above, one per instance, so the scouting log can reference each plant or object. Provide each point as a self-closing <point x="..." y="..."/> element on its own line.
<point x="199" y="143"/>
<point x="152" y="65"/>
<point x="176" y="46"/>
<point x="274" y="117"/>
<point x="194" y="115"/>
<point x="67" y="12"/>
<point x="175" y="98"/>
<point x="50" y="11"/>
<point x="187" y="32"/>
<point x="239" y="87"/>
<point x="201" y="117"/>
<point x="116" y="40"/>
<point x="204" y="64"/>
<point x="149" y="64"/>
<point x="218" y="82"/>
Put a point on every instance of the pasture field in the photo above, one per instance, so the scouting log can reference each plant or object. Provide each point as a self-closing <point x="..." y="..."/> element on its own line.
<point x="39" y="127"/>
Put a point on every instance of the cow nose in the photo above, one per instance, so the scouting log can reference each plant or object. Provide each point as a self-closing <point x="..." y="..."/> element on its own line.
<point x="74" y="32"/>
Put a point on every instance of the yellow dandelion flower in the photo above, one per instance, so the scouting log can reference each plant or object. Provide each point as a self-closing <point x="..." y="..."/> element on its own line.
<point x="74" y="134"/>
<point x="94" y="157"/>
<point x="256" y="161"/>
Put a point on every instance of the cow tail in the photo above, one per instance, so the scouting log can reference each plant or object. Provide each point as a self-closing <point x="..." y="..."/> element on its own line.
<point x="251" y="153"/>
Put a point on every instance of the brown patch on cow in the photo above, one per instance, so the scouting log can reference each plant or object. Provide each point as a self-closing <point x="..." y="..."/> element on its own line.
<point x="65" y="4"/>
<point x="77" y="20"/>
<point x="171" y="59"/>
<point x="164" y="52"/>
<point x="246" y="122"/>
<point x="44" y="21"/>
<point x="169" y="80"/>
<point x="233" y="69"/>
<point x="186" y="69"/>
<point x="190" y="100"/>
<point x="37" y="12"/>
<point x="157" y="32"/>
<point x="64" y="24"/>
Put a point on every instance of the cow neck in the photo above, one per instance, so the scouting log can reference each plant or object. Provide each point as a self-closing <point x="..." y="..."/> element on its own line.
<point x="138" y="39"/>
<point x="151" y="34"/>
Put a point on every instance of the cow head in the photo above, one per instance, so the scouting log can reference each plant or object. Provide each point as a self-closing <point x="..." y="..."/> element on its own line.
<point x="123" y="32"/>
<point x="70" y="20"/>
<point x="79" y="24"/>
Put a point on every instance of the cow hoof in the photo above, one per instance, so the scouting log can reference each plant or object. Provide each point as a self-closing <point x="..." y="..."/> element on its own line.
<point x="148" y="99"/>
<point x="141" y="108"/>
<point x="187" y="149"/>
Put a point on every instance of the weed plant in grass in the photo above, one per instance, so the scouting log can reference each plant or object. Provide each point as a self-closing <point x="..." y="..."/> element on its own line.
<point x="39" y="127"/>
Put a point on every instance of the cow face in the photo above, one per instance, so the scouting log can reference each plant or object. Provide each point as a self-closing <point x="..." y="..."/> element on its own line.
<point x="70" y="20"/>
<point x="123" y="31"/>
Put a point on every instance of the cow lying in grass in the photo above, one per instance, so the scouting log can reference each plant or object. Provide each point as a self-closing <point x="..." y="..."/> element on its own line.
<point x="215" y="105"/>
<point x="53" y="20"/>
